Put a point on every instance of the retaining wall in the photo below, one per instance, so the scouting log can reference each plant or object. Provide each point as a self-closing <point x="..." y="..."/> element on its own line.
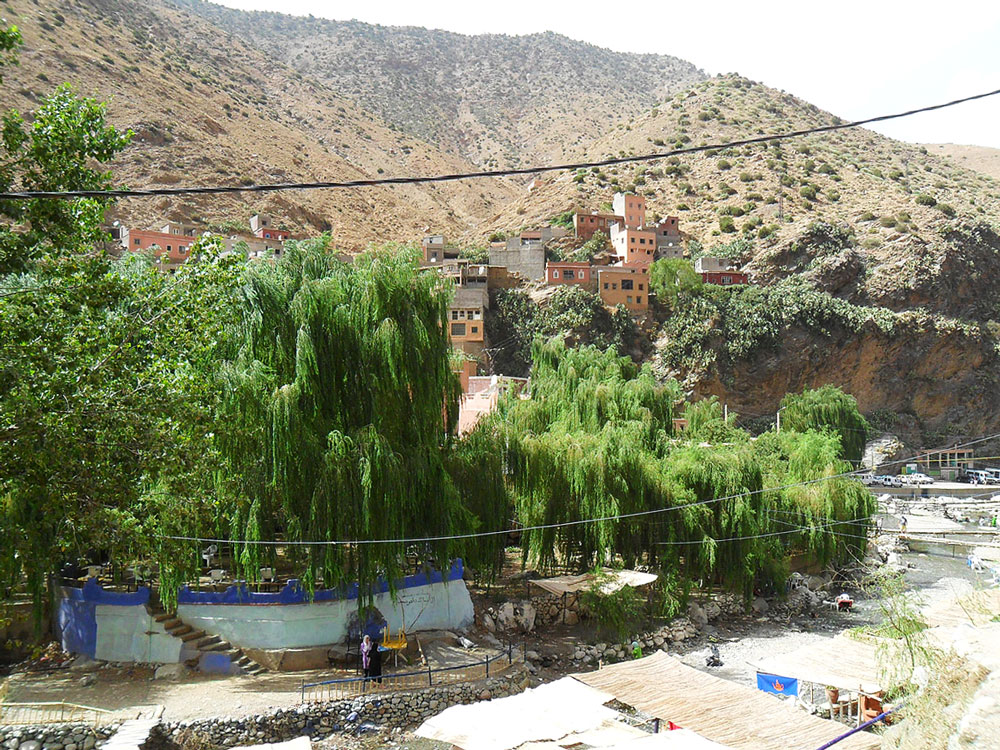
<point x="54" y="736"/>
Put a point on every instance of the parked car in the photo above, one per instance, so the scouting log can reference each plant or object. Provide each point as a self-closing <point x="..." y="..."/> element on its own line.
<point x="867" y="479"/>
<point x="919" y="478"/>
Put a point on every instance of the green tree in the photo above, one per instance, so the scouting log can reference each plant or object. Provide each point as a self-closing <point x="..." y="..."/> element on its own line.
<point x="828" y="408"/>
<point x="338" y="416"/>
<point x="673" y="280"/>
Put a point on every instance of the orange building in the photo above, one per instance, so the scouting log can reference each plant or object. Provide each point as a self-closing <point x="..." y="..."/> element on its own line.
<point x="586" y="225"/>
<point x="633" y="246"/>
<point x="565" y="272"/>
<point x="631" y="207"/>
<point x="170" y="248"/>
<point x="624" y="285"/>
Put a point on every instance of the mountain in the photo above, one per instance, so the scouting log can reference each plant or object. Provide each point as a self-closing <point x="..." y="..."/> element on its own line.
<point x="877" y="259"/>
<point x="977" y="158"/>
<point x="496" y="100"/>
<point x="208" y="109"/>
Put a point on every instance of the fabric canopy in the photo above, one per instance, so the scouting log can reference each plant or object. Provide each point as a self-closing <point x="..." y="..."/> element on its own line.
<point x="740" y="717"/>
<point x="839" y="662"/>
<point x="547" y="712"/>
<point x="615" y="581"/>
<point x="976" y="608"/>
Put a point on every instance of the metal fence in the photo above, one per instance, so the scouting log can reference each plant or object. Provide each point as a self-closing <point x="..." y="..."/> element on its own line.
<point x="352" y="687"/>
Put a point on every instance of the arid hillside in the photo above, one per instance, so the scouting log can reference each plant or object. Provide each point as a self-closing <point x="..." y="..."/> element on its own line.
<point x="977" y="158"/>
<point x="207" y="109"/>
<point x="497" y="100"/>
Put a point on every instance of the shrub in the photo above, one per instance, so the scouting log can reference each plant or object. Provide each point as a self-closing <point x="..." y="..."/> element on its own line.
<point x="726" y="224"/>
<point x="808" y="192"/>
<point x="926" y="200"/>
<point x="946" y="209"/>
<point x="867" y="216"/>
<point x="887" y="221"/>
<point x="832" y="195"/>
<point x="724" y="164"/>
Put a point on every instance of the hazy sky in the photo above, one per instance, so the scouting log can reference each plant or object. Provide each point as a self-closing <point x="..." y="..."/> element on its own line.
<point x="855" y="59"/>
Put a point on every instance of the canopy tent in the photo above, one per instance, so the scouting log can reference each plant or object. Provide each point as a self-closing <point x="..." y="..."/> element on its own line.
<point x="547" y="712"/>
<point x="840" y="662"/>
<point x="976" y="608"/>
<point x="614" y="580"/>
<point x="553" y="716"/>
<point x="735" y="715"/>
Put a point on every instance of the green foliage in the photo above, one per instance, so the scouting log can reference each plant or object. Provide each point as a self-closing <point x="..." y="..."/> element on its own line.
<point x="10" y="45"/>
<point x="828" y="408"/>
<point x="926" y="200"/>
<point x="564" y="220"/>
<point x="573" y="313"/>
<point x="331" y="426"/>
<point x="67" y="137"/>
<point x="673" y="280"/>
<point x="726" y="224"/>
<point x="475" y="253"/>
<point x="617" y="613"/>
<point x="596" y="440"/>
<point x="596" y="244"/>
<point x="946" y="209"/>
<point x="808" y="192"/>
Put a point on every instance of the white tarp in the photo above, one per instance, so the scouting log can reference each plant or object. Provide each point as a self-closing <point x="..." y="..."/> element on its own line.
<point x="547" y="712"/>
<point x="840" y="662"/>
<point x="615" y="580"/>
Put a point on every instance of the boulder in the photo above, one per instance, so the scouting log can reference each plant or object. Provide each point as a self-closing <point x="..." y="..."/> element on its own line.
<point x="170" y="672"/>
<point x="712" y="610"/>
<point x="760" y="605"/>
<point x="815" y="583"/>
<point x="697" y="614"/>
<point x="571" y="617"/>
<point x="526" y="617"/>
<point x="506" y="618"/>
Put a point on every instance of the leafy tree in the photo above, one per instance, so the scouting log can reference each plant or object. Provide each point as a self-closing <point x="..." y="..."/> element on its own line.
<point x="673" y="280"/>
<point x="828" y="408"/>
<point x="10" y="44"/>
<point x="598" y="243"/>
<point x="331" y="424"/>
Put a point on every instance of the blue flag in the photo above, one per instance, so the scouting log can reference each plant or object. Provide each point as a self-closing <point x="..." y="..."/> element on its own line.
<point x="772" y="683"/>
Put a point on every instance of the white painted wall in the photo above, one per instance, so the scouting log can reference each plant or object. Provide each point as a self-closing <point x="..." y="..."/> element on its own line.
<point x="130" y="634"/>
<point x="438" y="606"/>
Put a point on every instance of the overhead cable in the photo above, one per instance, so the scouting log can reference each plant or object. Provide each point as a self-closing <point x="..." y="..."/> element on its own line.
<point x="222" y="189"/>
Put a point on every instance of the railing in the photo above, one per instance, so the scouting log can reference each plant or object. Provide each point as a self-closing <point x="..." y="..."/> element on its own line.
<point x="352" y="687"/>
<point x="53" y="713"/>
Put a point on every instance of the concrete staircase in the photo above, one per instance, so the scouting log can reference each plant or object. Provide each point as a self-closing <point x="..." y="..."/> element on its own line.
<point x="131" y="735"/>
<point x="198" y="642"/>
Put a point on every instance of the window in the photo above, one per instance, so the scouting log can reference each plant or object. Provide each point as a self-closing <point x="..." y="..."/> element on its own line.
<point x="605" y="285"/>
<point x="568" y="274"/>
<point x="138" y="241"/>
<point x="627" y="284"/>
<point x="555" y="274"/>
<point x="628" y="299"/>
<point x="640" y="286"/>
<point x="614" y="285"/>
<point x="638" y="300"/>
<point x="632" y="240"/>
<point x="454" y="314"/>
<point x="725" y="279"/>
<point x="168" y="248"/>
<point x="477" y="315"/>
<point x="642" y="240"/>
<point x="267" y="235"/>
<point x="181" y="249"/>
<point x="458" y="329"/>
<point x="475" y="329"/>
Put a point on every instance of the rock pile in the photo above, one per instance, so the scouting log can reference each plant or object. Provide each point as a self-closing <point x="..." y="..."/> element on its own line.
<point x="53" y="736"/>
<point x="320" y="720"/>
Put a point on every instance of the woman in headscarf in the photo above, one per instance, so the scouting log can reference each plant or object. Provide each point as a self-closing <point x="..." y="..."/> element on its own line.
<point x="366" y="654"/>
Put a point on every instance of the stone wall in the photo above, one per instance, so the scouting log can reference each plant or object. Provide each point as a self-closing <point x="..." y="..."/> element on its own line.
<point x="320" y="720"/>
<point x="54" y="736"/>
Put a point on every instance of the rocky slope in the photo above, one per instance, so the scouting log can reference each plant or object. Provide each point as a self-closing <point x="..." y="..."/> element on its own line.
<point x="208" y="109"/>
<point x="495" y="99"/>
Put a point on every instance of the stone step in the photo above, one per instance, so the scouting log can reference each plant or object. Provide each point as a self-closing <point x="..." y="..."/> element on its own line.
<point x="220" y="646"/>
<point x="173" y="622"/>
<point x="193" y="636"/>
<point x="208" y="640"/>
<point x="163" y="617"/>
<point x="178" y="631"/>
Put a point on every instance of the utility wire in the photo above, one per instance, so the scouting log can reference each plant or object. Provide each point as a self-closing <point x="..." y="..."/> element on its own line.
<point x="546" y="527"/>
<point x="125" y="193"/>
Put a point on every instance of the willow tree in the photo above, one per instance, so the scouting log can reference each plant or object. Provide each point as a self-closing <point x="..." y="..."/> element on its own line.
<point x="596" y="466"/>
<point x="338" y="415"/>
<point x="829" y="408"/>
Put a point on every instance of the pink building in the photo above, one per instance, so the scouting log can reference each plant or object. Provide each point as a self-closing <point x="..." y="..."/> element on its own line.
<point x="633" y="246"/>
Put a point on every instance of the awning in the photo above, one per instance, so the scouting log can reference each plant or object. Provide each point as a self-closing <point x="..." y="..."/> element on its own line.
<point x="615" y="581"/>
<point x="976" y="608"/>
<point x="547" y="712"/>
<point x="737" y="716"/>
<point x="839" y="662"/>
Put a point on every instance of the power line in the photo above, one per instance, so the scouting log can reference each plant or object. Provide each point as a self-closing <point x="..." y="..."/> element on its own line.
<point x="549" y="526"/>
<point x="124" y="193"/>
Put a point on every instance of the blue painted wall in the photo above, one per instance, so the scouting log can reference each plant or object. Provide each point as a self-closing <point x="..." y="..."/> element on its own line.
<point x="76" y="616"/>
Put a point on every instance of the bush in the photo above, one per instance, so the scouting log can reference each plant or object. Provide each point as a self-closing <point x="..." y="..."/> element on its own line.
<point x="724" y="164"/>
<point x="926" y="200"/>
<point x="867" y="216"/>
<point x="887" y="221"/>
<point x="808" y="192"/>
<point x="946" y="209"/>
<point x="726" y="224"/>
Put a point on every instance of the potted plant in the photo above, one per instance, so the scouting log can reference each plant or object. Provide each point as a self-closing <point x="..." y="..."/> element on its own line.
<point x="832" y="694"/>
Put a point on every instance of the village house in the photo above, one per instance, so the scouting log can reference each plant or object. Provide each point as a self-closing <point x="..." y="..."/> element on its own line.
<point x="481" y="396"/>
<point x="633" y="246"/>
<point x="719" y="271"/>
<point x="585" y="226"/>
<point x="631" y="207"/>
<point x="567" y="272"/>
<point x="436" y="251"/>
<point x="624" y="285"/>
<point x="525" y="253"/>
<point x="260" y="225"/>
<point x="171" y="245"/>
<point x="668" y="238"/>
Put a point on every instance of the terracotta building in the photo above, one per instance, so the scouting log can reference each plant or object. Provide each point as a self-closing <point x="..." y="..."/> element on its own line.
<point x="170" y="248"/>
<point x="719" y="271"/>
<point x="631" y="207"/>
<point x="586" y="225"/>
<point x="565" y="272"/>
<point x="633" y="246"/>
<point x="624" y="285"/>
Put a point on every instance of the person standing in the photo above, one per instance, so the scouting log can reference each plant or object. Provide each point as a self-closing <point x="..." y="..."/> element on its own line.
<point x="366" y="655"/>
<point x="376" y="663"/>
